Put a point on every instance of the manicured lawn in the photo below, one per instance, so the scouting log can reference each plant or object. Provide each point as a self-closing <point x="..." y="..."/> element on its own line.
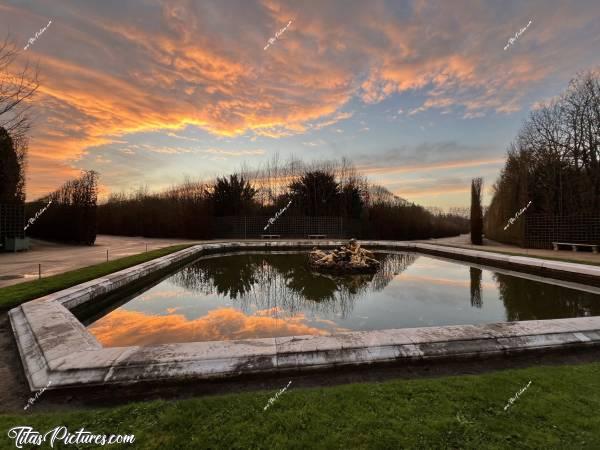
<point x="11" y="296"/>
<point x="560" y="409"/>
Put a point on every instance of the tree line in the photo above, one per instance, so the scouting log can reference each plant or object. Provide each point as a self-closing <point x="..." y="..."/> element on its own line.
<point x="554" y="162"/>
<point x="71" y="217"/>
<point x="318" y="189"/>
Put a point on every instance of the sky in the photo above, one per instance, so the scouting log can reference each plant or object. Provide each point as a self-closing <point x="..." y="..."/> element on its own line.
<point x="421" y="96"/>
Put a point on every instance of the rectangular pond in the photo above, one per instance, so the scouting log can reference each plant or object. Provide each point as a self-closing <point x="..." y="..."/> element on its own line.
<point x="271" y="294"/>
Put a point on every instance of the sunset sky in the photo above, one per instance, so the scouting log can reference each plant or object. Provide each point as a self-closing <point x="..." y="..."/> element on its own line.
<point x="421" y="95"/>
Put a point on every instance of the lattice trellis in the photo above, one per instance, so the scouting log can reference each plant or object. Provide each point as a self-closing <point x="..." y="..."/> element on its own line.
<point x="12" y="221"/>
<point x="241" y="227"/>
<point x="541" y="230"/>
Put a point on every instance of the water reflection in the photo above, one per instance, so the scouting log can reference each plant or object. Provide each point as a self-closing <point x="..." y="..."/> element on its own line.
<point x="274" y="294"/>
<point x="532" y="300"/>
<point x="284" y="282"/>
<point x="476" y="275"/>
<point x="123" y="327"/>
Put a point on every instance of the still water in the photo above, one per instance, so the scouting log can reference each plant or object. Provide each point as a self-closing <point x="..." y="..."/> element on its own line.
<point x="257" y="295"/>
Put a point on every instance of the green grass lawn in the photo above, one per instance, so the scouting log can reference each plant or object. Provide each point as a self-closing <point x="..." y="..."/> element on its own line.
<point x="560" y="409"/>
<point x="14" y="295"/>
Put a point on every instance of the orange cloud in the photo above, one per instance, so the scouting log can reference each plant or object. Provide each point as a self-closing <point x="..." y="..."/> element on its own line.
<point x="109" y="72"/>
<point x="124" y="328"/>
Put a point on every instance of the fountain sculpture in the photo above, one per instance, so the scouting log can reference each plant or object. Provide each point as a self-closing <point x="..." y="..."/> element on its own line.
<point x="347" y="259"/>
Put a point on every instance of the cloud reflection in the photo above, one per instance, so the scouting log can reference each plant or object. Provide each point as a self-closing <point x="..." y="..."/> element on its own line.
<point x="123" y="327"/>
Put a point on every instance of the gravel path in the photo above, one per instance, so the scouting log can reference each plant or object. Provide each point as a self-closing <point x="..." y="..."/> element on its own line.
<point x="58" y="258"/>
<point x="464" y="241"/>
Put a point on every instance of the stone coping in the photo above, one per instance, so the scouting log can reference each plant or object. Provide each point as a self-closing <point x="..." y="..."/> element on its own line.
<point x="55" y="346"/>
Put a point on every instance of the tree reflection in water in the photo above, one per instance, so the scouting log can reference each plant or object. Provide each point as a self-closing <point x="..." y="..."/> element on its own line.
<point x="476" y="275"/>
<point x="532" y="300"/>
<point x="283" y="282"/>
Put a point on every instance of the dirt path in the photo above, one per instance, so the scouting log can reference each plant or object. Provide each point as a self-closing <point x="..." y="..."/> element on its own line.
<point x="14" y="391"/>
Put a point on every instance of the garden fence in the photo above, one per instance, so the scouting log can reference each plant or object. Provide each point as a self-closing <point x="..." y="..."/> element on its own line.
<point x="543" y="229"/>
<point x="12" y="221"/>
<point x="248" y="227"/>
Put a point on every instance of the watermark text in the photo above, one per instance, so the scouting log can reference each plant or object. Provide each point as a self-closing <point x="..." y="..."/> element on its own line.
<point x="37" y="35"/>
<point x="25" y="435"/>
<point x="272" y="399"/>
<point x="513" y="399"/>
<point x="517" y="34"/>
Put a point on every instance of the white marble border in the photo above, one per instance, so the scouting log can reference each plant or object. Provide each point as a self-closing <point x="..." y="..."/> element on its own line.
<point x="54" y="346"/>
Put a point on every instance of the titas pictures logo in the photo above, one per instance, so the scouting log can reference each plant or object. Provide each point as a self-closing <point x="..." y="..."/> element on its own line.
<point x="33" y="399"/>
<point x="517" y="34"/>
<point x="37" y="214"/>
<point x="279" y="33"/>
<point x="513" y="219"/>
<point x="27" y="436"/>
<point x="37" y="35"/>
<point x="276" y="396"/>
<point x="517" y="395"/>
<point x="272" y="220"/>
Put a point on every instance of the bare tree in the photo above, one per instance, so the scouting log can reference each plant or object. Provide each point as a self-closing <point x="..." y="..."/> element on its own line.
<point x="459" y="211"/>
<point x="17" y="86"/>
<point x="554" y="161"/>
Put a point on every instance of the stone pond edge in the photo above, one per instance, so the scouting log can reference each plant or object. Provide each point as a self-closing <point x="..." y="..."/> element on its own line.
<point x="54" y="346"/>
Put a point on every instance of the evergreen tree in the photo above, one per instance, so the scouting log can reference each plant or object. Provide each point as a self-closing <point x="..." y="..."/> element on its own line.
<point x="233" y="196"/>
<point x="476" y="212"/>
<point x="11" y="185"/>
